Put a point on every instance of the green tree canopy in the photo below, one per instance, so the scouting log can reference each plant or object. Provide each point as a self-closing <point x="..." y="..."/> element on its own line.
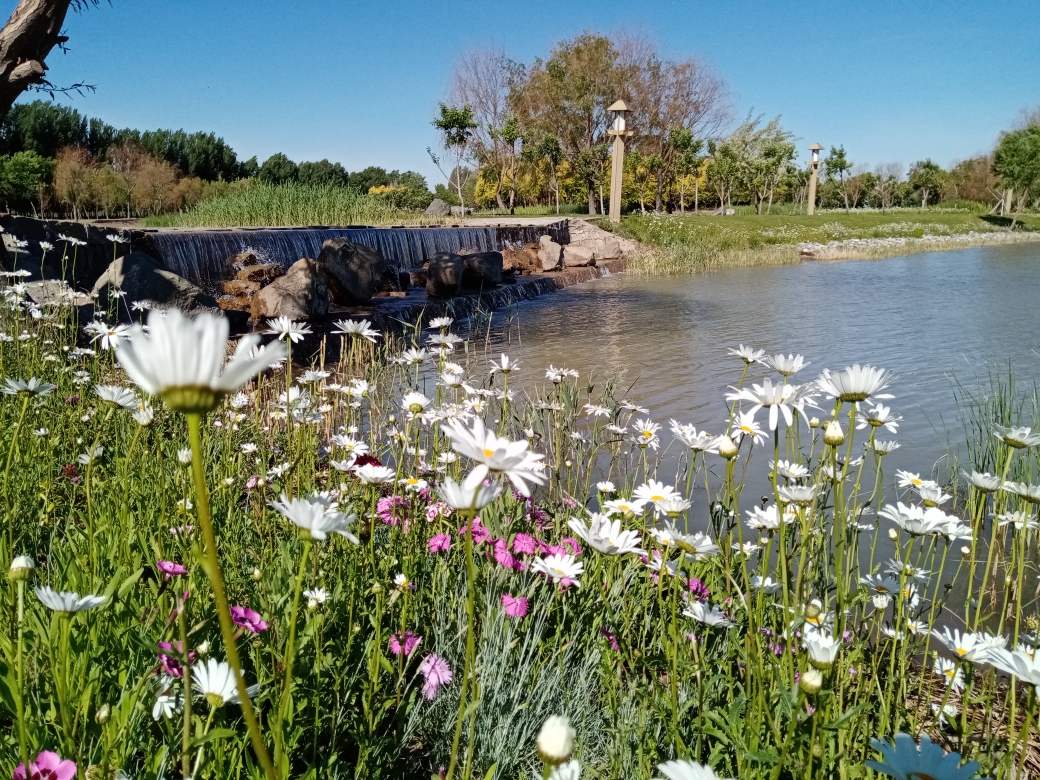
<point x="1017" y="162"/>
<point x="278" y="169"/>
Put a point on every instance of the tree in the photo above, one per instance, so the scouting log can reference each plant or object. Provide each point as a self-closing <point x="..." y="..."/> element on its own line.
<point x="26" y="177"/>
<point x="35" y="27"/>
<point x="126" y="161"/>
<point x="687" y="161"/>
<point x="249" y="168"/>
<point x="455" y="125"/>
<point x="837" y="166"/>
<point x="323" y="172"/>
<point x="1017" y="162"/>
<point x="72" y="175"/>
<point x="886" y="178"/>
<point x="278" y="169"/>
<point x="723" y="170"/>
<point x="974" y="180"/>
<point x="925" y="178"/>
<point x="548" y="149"/>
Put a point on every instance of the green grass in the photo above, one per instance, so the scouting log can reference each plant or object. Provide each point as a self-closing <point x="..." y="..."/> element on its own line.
<point x="291" y="205"/>
<point x="566" y="209"/>
<point x="689" y="243"/>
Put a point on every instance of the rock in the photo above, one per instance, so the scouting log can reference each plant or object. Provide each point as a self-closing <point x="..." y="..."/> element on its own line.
<point x="459" y="211"/>
<point x="240" y="288"/>
<point x="418" y="277"/>
<point x="234" y="303"/>
<point x="550" y="254"/>
<point x="482" y="271"/>
<point x="262" y="274"/>
<point x="353" y="272"/>
<point x="55" y="292"/>
<point x="469" y="250"/>
<point x="576" y="256"/>
<point x="143" y="278"/>
<point x="302" y="294"/>
<point x="438" y="208"/>
<point x="243" y="260"/>
<point x="444" y="275"/>
<point x="522" y="260"/>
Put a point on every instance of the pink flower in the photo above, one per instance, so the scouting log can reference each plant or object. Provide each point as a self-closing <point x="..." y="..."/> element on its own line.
<point x="515" y="606"/>
<point x="48" y="766"/>
<point x="437" y="673"/>
<point x="524" y="543"/>
<point x="573" y="544"/>
<point x="480" y="533"/>
<point x="698" y="589"/>
<point x="248" y="619"/>
<point x="439" y="543"/>
<point x="405" y="643"/>
<point x="555" y="549"/>
<point x="187" y="530"/>
<point x="437" y="509"/>
<point x="392" y="509"/>
<point x="170" y="569"/>
<point x="502" y="555"/>
<point x="252" y="481"/>
<point x="170" y="660"/>
<point x="613" y="640"/>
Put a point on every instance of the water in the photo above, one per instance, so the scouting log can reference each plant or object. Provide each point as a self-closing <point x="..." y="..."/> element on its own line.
<point x="932" y="319"/>
<point x="201" y="256"/>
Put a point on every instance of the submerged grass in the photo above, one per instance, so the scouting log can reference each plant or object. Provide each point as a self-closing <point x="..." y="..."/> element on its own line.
<point x="291" y="205"/>
<point x="769" y="641"/>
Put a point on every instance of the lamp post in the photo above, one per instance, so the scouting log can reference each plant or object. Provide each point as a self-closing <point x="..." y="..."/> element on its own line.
<point x="617" y="129"/>
<point x="813" y="167"/>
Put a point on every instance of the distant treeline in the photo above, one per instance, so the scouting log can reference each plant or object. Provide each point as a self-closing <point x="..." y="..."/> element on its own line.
<point x="54" y="159"/>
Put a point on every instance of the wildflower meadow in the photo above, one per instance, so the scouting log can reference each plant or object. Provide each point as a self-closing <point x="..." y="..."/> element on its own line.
<point x="224" y="561"/>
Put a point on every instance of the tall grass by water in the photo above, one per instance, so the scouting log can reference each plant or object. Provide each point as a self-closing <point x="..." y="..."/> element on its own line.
<point x="291" y="205"/>
<point x="286" y="576"/>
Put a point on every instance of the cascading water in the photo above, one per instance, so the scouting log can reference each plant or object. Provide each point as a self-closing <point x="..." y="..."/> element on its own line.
<point x="202" y="256"/>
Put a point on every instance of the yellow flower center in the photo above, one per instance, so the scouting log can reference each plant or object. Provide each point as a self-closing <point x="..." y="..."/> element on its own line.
<point x="488" y="453"/>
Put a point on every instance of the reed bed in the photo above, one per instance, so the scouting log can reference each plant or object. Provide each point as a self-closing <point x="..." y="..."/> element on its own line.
<point x="291" y="205"/>
<point x="396" y="566"/>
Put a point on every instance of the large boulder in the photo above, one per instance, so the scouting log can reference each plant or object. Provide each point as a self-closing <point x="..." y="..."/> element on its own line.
<point x="482" y="271"/>
<point x="550" y="254"/>
<point x="353" y="272"/>
<point x="262" y="274"/>
<point x="522" y="259"/>
<point x="141" y="278"/>
<point x="444" y="275"/>
<point x="302" y="294"/>
<point x="459" y="211"/>
<point x="239" y="287"/>
<point x="438" y="208"/>
<point x="243" y="260"/>
<point x="577" y="256"/>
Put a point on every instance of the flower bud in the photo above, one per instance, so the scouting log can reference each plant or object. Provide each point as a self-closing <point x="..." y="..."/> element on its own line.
<point x="312" y="604"/>
<point x="833" y="434"/>
<point x="257" y="574"/>
<point x="103" y="714"/>
<point x="965" y="551"/>
<point x="811" y="681"/>
<point x="812" y="611"/>
<point x="555" y="741"/>
<point x="893" y="534"/>
<point x="727" y="449"/>
<point x="814" y="422"/>
<point x="21" y="568"/>
<point x="203" y="647"/>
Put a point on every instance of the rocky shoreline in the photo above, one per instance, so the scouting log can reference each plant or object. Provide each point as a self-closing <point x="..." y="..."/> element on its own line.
<point x="876" y="248"/>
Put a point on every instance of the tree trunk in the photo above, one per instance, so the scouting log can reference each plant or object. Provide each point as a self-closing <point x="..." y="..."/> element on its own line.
<point x="682" y="195"/>
<point x="696" y="193"/>
<point x="25" y="41"/>
<point x="498" y="193"/>
<point x="592" y="199"/>
<point x="924" y="198"/>
<point x="601" y="209"/>
<point x="658" y="195"/>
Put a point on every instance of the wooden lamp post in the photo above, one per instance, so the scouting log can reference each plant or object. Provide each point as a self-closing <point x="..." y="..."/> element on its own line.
<point x="617" y="129"/>
<point x="813" y="167"/>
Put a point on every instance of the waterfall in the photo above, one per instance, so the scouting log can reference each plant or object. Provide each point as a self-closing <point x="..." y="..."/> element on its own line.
<point x="201" y="256"/>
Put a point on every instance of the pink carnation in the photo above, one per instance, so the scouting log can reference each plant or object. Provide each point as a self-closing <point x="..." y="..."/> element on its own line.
<point x="439" y="543"/>
<point x="405" y="643"/>
<point x="171" y="659"/>
<point x="613" y="640"/>
<point x="436" y="672"/>
<point x="573" y="544"/>
<point x="170" y="569"/>
<point x="524" y="543"/>
<point x="248" y="619"/>
<point x="515" y="606"/>
<point x="480" y="533"/>
<point x="47" y="766"/>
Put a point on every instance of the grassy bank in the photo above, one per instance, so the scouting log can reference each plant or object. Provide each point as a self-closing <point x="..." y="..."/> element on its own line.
<point x="291" y="205"/>
<point x="688" y="243"/>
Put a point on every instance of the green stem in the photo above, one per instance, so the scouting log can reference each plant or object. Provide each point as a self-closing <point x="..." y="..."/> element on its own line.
<point x="227" y="629"/>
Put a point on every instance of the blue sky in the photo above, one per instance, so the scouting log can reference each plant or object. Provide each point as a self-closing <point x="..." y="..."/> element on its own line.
<point x="359" y="81"/>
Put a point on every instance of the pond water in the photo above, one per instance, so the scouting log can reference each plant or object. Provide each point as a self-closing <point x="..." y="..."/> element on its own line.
<point x="934" y="320"/>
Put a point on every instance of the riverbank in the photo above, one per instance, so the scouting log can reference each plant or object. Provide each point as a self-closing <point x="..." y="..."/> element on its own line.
<point x="678" y="244"/>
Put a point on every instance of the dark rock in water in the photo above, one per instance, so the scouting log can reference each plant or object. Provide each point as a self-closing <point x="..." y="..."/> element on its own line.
<point x="444" y="275"/>
<point x="404" y="280"/>
<point x="418" y="277"/>
<point x="243" y="260"/>
<point x="241" y="288"/>
<point x="482" y="271"/>
<point x="353" y="272"/>
<point x="262" y="274"/>
<point x="438" y="208"/>
<point x="142" y="278"/>
<point x="302" y="294"/>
